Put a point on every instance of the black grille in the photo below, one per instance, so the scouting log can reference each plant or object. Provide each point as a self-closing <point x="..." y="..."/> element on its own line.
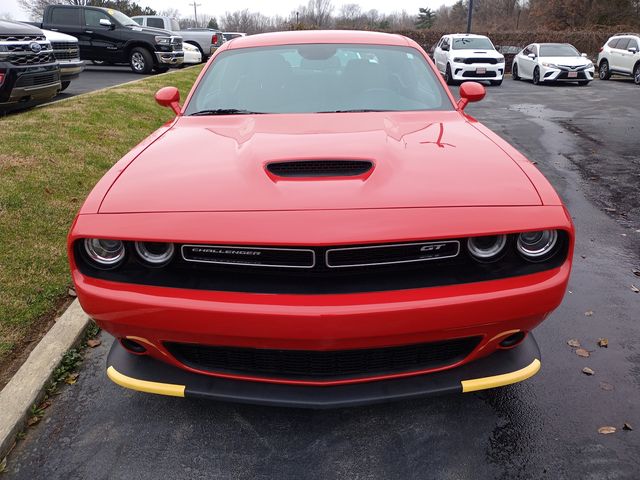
<point x="37" y="79"/>
<point x="22" y="38"/>
<point x="323" y="365"/>
<point x="565" y="76"/>
<point x="65" y="50"/>
<point x="479" y="75"/>
<point x="470" y="61"/>
<point x="320" y="168"/>
<point x="36" y="59"/>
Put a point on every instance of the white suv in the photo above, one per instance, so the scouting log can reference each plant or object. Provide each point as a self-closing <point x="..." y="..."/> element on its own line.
<point x="463" y="56"/>
<point x="620" y="56"/>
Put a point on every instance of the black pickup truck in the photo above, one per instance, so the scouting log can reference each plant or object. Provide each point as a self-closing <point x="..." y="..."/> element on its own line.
<point x="109" y="36"/>
<point x="28" y="69"/>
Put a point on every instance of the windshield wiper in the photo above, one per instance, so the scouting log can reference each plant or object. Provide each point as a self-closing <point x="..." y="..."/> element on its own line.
<point x="358" y="110"/>
<point x="225" y="111"/>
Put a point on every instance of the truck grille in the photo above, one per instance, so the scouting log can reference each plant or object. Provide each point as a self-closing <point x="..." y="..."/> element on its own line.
<point x="22" y="38"/>
<point x="35" y="59"/>
<point x="38" y="79"/>
<point x="471" y="61"/>
<point x="323" y="365"/>
<point x="66" y="50"/>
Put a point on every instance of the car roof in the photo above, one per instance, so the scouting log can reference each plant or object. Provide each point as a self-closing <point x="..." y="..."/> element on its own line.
<point x="467" y="35"/>
<point x="319" y="36"/>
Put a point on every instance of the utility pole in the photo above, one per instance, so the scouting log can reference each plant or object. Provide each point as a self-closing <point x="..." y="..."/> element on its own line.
<point x="195" y="10"/>
<point x="469" y="16"/>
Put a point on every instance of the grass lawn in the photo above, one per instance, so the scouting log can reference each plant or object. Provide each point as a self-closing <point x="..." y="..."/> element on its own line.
<point x="50" y="158"/>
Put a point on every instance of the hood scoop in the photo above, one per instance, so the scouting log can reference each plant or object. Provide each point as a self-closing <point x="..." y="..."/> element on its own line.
<point x="320" y="168"/>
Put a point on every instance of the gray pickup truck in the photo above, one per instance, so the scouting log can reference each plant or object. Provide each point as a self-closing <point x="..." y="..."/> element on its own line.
<point x="207" y="41"/>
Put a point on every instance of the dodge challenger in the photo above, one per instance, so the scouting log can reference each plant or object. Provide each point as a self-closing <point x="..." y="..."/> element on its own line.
<point x="321" y="225"/>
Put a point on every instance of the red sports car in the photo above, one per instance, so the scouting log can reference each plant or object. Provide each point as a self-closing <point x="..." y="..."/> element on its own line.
<point x="321" y="225"/>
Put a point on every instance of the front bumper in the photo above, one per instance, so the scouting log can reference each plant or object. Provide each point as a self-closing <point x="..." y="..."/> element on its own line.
<point x="32" y="83"/>
<point x="169" y="58"/>
<point x="145" y="374"/>
<point x="70" y="70"/>
<point x="477" y="71"/>
<point x="548" y="74"/>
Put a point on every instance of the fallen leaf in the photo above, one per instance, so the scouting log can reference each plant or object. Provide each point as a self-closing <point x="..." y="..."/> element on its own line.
<point x="635" y="289"/>
<point x="606" y="386"/>
<point x="636" y="272"/>
<point x="45" y="404"/>
<point x="588" y="313"/>
<point x="32" y="421"/>
<point x="581" y="352"/>
<point x="607" y="430"/>
<point x="627" y="426"/>
<point x="3" y="465"/>
<point x="603" y="343"/>
<point x="48" y="190"/>
<point x="588" y="371"/>
<point x="72" y="378"/>
<point x="93" y="342"/>
<point x="72" y="293"/>
<point x="573" y="342"/>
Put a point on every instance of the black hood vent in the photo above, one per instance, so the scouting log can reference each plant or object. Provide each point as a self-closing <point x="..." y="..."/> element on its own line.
<point x="320" y="168"/>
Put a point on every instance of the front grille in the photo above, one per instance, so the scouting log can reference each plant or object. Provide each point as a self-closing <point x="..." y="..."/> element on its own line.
<point x="322" y="365"/>
<point x="391" y="254"/>
<point x="65" y="50"/>
<point x="471" y="61"/>
<point x="35" y="59"/>
<point x="572" y="69"/>
<point x="319" y="168"/>
<point x="251" y="256"/>
<point x="22" y="38"/>
<point x="565" y="76"/>
<point x="479" y="75"/>
<point x="38" y="79"/>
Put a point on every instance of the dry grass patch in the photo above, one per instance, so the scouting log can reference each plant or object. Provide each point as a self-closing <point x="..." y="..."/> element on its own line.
<point x="51" y="158"/>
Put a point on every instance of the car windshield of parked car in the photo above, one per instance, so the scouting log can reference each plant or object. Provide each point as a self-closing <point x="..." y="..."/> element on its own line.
<point x="315" y="78"/>
<point x="472" y="43"/>
<point x="123" y="19"/>
<point x="558" y="51"/>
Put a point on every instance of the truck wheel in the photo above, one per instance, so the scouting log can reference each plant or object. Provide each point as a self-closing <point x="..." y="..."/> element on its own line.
<point x="64" y="86"/>
<point x="140" y="60"/>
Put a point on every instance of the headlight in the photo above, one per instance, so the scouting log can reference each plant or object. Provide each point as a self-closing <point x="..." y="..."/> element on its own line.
<point x="155" y="254"/>
<point x="163" y="40"/>
<point x="588" y="65"/>
<point x="104" y="253"/>
<point x="549" y="65"/>
<point x="535" y="246"/>
<point x="487" y="249"/>
<point x="500" y="59"/>
<point x="458" y="60"/>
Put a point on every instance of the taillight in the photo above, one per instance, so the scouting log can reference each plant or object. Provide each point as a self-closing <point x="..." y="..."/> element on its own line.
<point x="601" y="49"/>
<point x="1" y="78"/>
<point x="214" y="39"/>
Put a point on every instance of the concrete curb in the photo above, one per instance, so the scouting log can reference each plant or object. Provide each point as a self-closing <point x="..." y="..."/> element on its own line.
<point x="27" y="386"/>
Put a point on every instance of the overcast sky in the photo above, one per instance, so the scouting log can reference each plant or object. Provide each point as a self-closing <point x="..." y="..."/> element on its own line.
<point x="280" y="7"/>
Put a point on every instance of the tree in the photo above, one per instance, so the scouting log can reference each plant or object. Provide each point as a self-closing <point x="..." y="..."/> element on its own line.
<point x="213" y="23"/>
<point x="35" y="8"/>
<point x="426" y="18"/>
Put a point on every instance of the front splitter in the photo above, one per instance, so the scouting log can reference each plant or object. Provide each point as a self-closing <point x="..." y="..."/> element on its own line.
<point x="146" y="374"/>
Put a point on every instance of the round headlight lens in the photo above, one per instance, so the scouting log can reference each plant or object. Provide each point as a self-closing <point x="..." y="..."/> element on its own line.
<point x="104" y="252"/>
<point x="155" y="253"/>
<point x="487" y="248"/>
<point x="536" y="246"/>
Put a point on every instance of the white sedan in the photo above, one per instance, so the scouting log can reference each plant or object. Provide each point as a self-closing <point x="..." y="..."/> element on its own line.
<point x="552" y="62"/>
<point x="191" y="54"/>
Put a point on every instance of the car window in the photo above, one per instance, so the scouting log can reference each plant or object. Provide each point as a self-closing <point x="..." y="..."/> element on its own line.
<point x="622" y="44"/>
<point x="138" y="20"/>
<point x="175" y="26"/>
<point x="320" y="78"/>
<point x="65" y="16"/>
<point x="155" y="23"/>
<point x="92" y="18"/>
<point x="533" y="49"/>
<point x="633" y="43"/>
<point x="558" y="51"/>
<point x="472" y="43"/>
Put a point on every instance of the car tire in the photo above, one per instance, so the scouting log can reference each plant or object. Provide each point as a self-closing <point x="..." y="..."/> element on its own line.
<point x="536" y="76"/>
<point x="448" y="77"/>
<point x="495" y="83"/>
<point x="64" y="85"/>
<point x="514" y="72"/>
<point x="140" y="60"/>
<point x="636" y="74"/>
<point x="584" y="83"/>
<point x="603" y="70"/>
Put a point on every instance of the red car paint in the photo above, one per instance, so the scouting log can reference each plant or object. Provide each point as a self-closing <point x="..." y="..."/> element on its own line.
<point x="436" y="175"/>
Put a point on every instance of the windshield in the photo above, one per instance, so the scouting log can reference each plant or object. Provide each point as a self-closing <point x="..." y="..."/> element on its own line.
<point x="122" y="19"/>
<point x="558" y="51"/>
<point x="318" y="78"/>
<point x="472" y="43"/>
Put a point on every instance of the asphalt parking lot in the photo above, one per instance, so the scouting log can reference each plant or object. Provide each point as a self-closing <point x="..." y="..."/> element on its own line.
<point x="95" y="77"/>
<point x="585" y="140"/>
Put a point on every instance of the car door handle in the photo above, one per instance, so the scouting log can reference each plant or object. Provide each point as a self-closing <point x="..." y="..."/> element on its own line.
<point x="88" y="31"/>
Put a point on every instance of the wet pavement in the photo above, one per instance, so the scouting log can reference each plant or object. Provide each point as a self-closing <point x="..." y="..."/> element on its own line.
<point x="582" y="138"/>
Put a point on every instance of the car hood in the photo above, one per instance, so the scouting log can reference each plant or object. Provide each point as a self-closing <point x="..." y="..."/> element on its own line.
<point x="420" y="159"/>
<point x="568" y="61"/>
<point x="155" y="31"/>
<point x="58" y="36"/>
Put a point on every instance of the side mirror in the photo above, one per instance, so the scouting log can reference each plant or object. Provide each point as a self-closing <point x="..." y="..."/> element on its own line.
<point x="631" y="50"/>
<point x="169" y="97"/>
<point x="532" y="56"/>
<point x="470" y="92"/>
<point x="106" y="23"/>
<point x="583" y="55"/>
